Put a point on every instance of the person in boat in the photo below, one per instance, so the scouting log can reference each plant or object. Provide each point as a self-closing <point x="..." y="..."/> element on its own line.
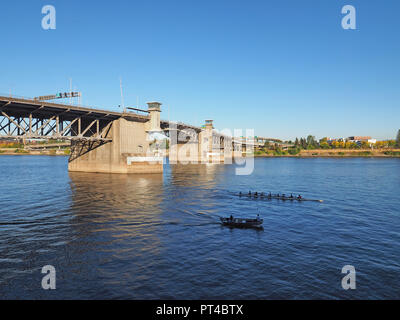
<point x="299" y="197"/>
<point x="256" y="194"/>
<point x="283" y="195"/>
<point x="262" y="195"/>
<point x="291" y="196"/>
<point x="240" y="193"/>
<point x="249" y="193"/>
<point x="270" y="195"/>
<point x="231" y="218"/>
<point x="258" y="217"/>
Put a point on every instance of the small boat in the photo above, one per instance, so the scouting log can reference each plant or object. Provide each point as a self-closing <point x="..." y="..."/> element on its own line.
<point x="242" y="222"/>
<point x="292" y="199"/>
<point x="267" y="196"/>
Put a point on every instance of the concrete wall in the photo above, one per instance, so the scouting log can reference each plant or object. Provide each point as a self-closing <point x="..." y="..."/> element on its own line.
<point x="209" y="149"/>
<point x="129" y="151"/>
<point x="129" y="139"/>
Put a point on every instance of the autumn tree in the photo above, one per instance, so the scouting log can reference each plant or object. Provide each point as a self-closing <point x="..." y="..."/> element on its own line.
<point x="365" y="144"/>
<point x="324" y="145"/>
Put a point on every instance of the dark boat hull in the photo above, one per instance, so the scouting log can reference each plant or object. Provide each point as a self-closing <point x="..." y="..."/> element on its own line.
<point x="242" y="223"/>
<point x="290" y="199"/>
<point x="281" y="198"/>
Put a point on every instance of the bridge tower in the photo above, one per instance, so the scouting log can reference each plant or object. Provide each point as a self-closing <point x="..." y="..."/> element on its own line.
<point x="154" y="109"/>
<point x="207" y="139"/>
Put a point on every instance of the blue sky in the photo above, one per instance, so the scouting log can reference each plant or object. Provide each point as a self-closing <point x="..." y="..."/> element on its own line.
<point x="285" y="68"/>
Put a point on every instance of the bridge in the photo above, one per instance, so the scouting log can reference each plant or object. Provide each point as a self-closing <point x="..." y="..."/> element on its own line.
<point x="114" y="142"/>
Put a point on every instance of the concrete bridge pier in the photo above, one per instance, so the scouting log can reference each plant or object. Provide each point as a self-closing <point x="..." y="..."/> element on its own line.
<point x="126" y="151"/>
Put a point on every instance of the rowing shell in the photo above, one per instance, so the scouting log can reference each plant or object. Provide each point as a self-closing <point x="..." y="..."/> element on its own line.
<point x="283" y="198"/>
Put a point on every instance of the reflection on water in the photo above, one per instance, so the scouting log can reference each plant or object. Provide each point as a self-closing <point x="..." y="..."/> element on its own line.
<point x="158" y="236"/>
<point x="205" y="174"/>
<point x="116" y="196"/>
<point x="118" y="217"/>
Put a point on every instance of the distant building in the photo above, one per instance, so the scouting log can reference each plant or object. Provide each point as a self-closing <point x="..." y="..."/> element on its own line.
<point x="330" y="140"/>
<point x="360" y="139"/>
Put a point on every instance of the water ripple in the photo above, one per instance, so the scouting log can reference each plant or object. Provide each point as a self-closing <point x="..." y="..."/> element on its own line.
<point x="158" y="236"/>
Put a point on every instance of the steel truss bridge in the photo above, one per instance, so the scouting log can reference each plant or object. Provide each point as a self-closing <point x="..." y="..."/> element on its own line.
<point x="30" y="119"/>
<point x="24" y="118"/>
<point x="88" y="129"/>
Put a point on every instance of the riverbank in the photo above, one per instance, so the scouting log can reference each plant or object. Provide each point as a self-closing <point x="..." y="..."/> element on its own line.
<point x="322" y="153"/>
<point x="336" y="153"/>
<point x="22" y="152"/>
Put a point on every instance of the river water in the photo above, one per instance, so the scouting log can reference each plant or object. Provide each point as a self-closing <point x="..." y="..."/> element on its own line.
<point x="159" y="237"/>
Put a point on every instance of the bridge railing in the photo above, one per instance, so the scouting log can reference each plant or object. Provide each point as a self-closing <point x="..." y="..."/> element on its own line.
<point x="14" y="96"/>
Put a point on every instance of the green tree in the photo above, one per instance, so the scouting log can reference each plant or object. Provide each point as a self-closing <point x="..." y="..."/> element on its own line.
<point x="303" y="143"/>
<point x="311" y="142"/>
<point x="325" y="139"/>
<point x="365" y="145"/>
<point x="398" y="139"/>
<point x="294" y="150"/>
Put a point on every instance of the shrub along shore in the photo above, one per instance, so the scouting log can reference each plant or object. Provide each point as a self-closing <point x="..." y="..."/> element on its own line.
<point x="388" y="153"/>
<point x="22" y="152"/>
<point x="382" y="153"/>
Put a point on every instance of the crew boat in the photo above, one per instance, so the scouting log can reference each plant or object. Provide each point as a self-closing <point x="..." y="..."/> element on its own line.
<point x="242" y="222"/>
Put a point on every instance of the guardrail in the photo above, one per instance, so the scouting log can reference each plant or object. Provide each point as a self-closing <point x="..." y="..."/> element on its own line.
<point x="30" y="99"/>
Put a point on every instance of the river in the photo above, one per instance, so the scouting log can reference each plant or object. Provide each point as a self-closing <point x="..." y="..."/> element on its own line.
<point x="113" y="236"/>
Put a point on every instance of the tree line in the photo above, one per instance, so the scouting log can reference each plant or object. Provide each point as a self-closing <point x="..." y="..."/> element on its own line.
<point x="311" y="143"/>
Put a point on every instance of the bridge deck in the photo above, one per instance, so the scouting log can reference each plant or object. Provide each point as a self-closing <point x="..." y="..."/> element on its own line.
<point x="22" y="108"/>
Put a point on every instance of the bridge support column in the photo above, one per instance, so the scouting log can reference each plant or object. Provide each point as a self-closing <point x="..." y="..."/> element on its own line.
<point x="206" y="142"/>
<point x="154" y="111"/>
<point x="127" y="152"/>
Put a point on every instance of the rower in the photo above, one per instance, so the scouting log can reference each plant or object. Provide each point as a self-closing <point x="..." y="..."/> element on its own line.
<point x="291" y="196"/>
<point x="256" y="194"/>
<point x="270" y="195"/>
<point x="249" y="193"/>
<point x="258" y="217"/>
<point x="299" y="197"/>
<point x="283" y="195"/>
<point x="240" y="193"/>
<point x="262" y="195"/>
<point x="231" y="218"/>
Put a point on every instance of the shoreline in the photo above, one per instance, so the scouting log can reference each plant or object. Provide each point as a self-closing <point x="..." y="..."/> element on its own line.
<point x="327" y="156"/>
<point x="32" y="154"/>
<point x="300" y="156"/>
<point x="11" y="152"/>
<point x="337" y="153"/>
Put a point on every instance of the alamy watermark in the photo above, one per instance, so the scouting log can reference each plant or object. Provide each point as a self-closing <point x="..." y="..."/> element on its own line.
<point x="349" y="280"/>
<point x="49" y="280"/>
<point x="49" y="20"/>
<point x="349" y="20"/>
<point x="207" y="146"/>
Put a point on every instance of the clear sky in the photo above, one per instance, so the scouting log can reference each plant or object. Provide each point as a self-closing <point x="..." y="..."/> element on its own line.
<point x="285" y="68"/>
